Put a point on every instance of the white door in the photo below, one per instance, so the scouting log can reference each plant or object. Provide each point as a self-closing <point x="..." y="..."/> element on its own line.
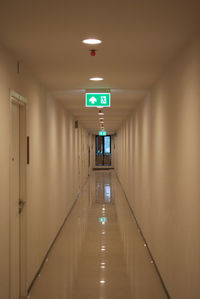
<point x="17" y="201"/>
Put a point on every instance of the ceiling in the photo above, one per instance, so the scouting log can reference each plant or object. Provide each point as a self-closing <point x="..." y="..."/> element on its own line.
<point x="139" y="39"/>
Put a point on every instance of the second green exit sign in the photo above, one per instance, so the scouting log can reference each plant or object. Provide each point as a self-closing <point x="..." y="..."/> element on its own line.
<point x="102" y="133"/>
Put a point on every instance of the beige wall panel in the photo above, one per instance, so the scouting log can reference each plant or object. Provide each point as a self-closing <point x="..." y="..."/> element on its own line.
<point x="4" y="177"/>
<point x="54" y="158"/>
<point x="165" y="169"/>
<point x="51" y="188"/>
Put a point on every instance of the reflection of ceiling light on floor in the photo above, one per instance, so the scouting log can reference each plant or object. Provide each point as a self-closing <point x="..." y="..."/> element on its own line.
<point x="103" y="263"/>
<point x="103" y="233"/>
<point x="102" y="281"/>
<point x="102" y="267"/>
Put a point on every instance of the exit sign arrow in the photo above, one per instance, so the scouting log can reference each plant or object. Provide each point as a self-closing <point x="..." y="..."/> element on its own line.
<point x="93" y="100"/>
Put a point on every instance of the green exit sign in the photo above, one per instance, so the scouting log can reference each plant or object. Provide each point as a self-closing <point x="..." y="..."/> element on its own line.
<point x="102" y="133"/>
<point x="98" y="99"/>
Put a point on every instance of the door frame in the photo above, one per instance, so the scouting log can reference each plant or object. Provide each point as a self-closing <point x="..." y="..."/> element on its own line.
<point x="20" y="239"/>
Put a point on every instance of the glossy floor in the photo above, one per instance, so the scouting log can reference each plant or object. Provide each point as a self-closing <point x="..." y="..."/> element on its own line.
<point x="99" y="254"/>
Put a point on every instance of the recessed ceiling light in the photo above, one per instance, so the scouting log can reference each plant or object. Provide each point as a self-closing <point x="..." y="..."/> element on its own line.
<point x="92" y="41"/>
<point x="96" y="79"/>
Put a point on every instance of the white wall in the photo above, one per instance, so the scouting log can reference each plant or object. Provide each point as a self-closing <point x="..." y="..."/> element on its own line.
<point x="92" y="153"/>
<point x="4" y="179"/>
<point x="51" y="175"/>
<point x="93" y="150"/>
<point x="159" y="167"/>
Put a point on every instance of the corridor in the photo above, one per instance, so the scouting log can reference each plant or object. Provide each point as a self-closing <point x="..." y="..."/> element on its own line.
<point x="99" y="253"/>
<point x="99" y="149"/>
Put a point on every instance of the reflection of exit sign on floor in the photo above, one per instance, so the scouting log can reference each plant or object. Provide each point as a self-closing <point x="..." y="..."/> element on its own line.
<point x="102" y="133"/>
<point x="102" y="219"/>
<point x="97" y="99"/>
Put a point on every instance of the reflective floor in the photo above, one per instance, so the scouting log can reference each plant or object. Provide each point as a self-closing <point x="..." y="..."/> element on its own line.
<point x="99" y="254"/>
